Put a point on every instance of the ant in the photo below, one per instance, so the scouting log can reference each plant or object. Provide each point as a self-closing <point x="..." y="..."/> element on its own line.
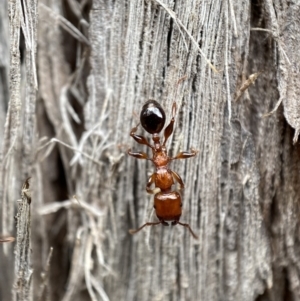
<point x="167" y="203"/>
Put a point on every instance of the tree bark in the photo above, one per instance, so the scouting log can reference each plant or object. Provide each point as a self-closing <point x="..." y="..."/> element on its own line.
<point x="96" y="64"/>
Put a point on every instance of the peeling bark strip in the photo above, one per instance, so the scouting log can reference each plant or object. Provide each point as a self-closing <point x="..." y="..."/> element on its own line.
<point x="43" y="294"/>
<point x="284" y="26"/>
<point x="23" y="271"/>
<point x="12" y="121"/>
<point x="6" y="239"/>
<point x="17" y="144"/>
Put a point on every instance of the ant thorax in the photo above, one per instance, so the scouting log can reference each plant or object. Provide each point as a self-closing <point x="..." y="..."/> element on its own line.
<point x="160" y="158"/>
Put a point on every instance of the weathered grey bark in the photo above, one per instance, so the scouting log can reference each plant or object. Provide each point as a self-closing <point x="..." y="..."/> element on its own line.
<point x="97" y="63"/>
<point x="22" y="289"/>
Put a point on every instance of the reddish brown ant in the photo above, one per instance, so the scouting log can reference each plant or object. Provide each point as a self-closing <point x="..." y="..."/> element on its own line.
<point x="167" y="203"/>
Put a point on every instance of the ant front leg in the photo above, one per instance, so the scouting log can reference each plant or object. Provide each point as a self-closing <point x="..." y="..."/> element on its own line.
<point x="185" y="155"/>
<point x="138" y="138"/>
<point x="170" y="127"/>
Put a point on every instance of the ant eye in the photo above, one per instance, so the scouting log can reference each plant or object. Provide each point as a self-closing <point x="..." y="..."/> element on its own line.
<point x="152" y="117"/>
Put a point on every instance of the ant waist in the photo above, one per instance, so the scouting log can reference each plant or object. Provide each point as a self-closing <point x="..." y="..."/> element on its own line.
<point x="162" y="168"/>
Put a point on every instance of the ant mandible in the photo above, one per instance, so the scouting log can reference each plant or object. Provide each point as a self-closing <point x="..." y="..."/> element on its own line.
<point x="167" y="203"/>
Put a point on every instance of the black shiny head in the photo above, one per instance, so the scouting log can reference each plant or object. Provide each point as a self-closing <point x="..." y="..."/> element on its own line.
<point x="152" y="117"/>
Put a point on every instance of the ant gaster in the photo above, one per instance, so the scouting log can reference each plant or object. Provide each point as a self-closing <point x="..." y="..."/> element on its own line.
<point x="167" y="202"/>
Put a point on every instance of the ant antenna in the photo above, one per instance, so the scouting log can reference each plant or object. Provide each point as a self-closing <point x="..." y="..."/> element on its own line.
<point x="133" y="231"/>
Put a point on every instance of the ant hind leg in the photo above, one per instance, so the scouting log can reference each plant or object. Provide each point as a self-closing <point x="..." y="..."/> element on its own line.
<point x="133" y="231"/>
<point x="186" y="226"/>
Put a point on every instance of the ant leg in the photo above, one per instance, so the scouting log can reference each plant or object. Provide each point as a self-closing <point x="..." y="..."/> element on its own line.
<point x="150" y="182"/>
<point x="138" y="138"/>
<point x="169" y="129"/>
<point x="187" y="226"/>
<point x="133" y="231"/>
<point x="185" y="155"/>
<point x="178" y="179"/>
<point x="138" y="155"/>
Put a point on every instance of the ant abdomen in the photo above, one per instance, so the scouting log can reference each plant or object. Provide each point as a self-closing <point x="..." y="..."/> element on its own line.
<point x="152" y="117"/>
<point x="168" y="206"/>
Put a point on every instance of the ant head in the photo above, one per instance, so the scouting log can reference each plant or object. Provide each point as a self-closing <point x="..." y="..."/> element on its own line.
<point x="152" y="117"/>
